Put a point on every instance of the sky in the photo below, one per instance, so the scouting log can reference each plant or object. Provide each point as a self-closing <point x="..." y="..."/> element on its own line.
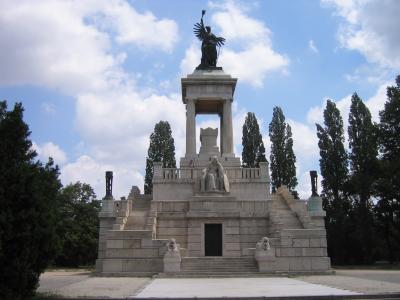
<point x="95" y="77"/>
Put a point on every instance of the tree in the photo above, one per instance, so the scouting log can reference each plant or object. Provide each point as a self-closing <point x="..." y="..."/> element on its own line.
<point x="253" y="145"/>
<point x="363" y="167"/>
<point x="283" y="159"/>
<point x="333" y="164"/>
<point x="78" y="226"/>
<point x="161" y="149"/>
<point x="388" y="183"/>
<point x="28" y="194"/>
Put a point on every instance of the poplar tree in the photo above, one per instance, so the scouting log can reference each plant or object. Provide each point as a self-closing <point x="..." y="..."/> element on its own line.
<point x="283" y="159"/>
<point x="363" y="167"/>
<point x="28" y="201"/>
<point x="253" y="146"/>
<point x="333" y="164"/>
<point x="161" y="149"/>
<point x="388" y="184"/>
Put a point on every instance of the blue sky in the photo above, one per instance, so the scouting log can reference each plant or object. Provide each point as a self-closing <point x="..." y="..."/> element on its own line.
<point x="95" y="76"/>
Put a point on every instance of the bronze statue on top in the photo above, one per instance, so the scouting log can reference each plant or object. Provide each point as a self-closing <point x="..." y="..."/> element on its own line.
<point x="209" y="43"/>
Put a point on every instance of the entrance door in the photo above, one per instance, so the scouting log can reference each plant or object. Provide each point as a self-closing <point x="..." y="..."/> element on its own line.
<point x="213" y="239"/>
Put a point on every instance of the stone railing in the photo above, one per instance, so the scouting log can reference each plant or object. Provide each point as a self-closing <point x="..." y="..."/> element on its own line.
<point x="237" y="173"/>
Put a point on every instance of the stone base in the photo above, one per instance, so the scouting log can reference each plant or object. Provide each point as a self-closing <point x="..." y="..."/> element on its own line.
<point x="172" y="263"/>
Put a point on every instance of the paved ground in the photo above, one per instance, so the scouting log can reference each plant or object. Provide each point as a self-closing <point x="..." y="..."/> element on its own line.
<point x="78" y="284"/>
<point x="235" y="287"/>
<point x="81" y="284"/>
<point x="364" y="281"/>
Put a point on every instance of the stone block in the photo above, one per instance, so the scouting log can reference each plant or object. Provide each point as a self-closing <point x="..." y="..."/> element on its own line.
<point x="301" y="243"/>
<point x="279" y="265"/>
<point x="314" y="252"/>
<point x="232" y="253"/>
<point x="172" y="264"/>
<point x="231" y="246"/>
<point x="315" y="242"/>
<point x="142" y="265"/>
<point x="303" y="233"/>
<point x="231" y="230"/>
<point x="148" y="252"/>
<point x="172" y="223"/>
<point x="248" y="252"/>
<point x="194" y="246"/>
<point x="112" y="265"/>
<point x="231" y="238"/>
<point x="286" y="242"/>
<point x="299" y="263"/>
<point x="149" y="243"/>
<point x="320" y="263"/>
<point x="250" y="238"/>
<point x="119" y="253"/>
<point x="289" y="251"/>
<point x="171" y="231"/>
<point x="194" y="230"/>
<point x="132" y="243"/>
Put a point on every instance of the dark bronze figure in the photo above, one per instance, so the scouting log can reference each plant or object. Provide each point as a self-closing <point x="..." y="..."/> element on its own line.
<point x="109" y="182"/>
<point x="314" y="177"/>
<point x="209" y="44"/>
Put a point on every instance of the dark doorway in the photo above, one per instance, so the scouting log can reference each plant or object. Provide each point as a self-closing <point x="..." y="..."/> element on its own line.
<point x="213" y="239"/>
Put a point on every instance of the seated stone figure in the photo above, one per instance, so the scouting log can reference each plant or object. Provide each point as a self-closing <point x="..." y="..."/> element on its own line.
<point x="214" y="178"/>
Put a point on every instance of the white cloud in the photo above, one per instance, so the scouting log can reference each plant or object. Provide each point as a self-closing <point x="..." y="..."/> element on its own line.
<point x="49" y="108"/>
<point x="248" y="53"/>
<point x="370" y="27"/>
<point x="237" y="26"/>
<point x="305" y="139"/>
<point x="52" y="150"/>
<point x="89" y="170"/>
<point x="252" y="64"/>
<point x="143" y="30"/>
<point x="312" y="47"/>
<point x="77" y="47"/>
<point x="191" y="59"/>
<point x="64" y="45"/>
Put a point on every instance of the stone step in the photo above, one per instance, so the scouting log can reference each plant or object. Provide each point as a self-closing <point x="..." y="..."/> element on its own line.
<point x="138" y="213"/>
<point x="129" y="234"/>
<point x="213" y="265"/>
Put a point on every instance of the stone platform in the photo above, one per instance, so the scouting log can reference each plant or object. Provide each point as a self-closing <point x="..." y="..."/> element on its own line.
<point x="346" y="284"/>
<point x="211" y="215"/>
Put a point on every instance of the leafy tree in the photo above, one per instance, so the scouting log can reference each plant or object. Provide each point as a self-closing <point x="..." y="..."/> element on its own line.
<point x="161" y="149"/>
<point x="253" y="145"/>
<point x="363" y="167"/>
<point x="333" y="164"/>
<point x="78" y="226"/>
<point x="283" y="159"/>
<point x="388" y="184"/>
<point x="28" y="194"/>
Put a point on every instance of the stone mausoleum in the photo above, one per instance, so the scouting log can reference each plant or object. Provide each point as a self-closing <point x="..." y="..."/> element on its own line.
<point x="211" y="216"/>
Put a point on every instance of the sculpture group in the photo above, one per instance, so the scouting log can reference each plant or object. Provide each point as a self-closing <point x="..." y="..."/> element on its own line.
<point x="209" y="44"/>
<point x="213" y="178"/>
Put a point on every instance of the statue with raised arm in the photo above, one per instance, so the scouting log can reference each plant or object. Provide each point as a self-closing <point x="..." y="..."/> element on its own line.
<point x="209" y="44"/>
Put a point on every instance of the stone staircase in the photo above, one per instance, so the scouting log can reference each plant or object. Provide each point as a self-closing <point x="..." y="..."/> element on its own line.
<point x="138" y="218"/>
<point x="217" y="266"/>
<point x="282" y="217"/>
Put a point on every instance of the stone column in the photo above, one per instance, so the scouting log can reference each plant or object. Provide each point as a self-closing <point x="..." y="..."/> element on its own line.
<point x="221" y="134"/>
<point x="190" y="129"/>
<point x="227" y="128"/>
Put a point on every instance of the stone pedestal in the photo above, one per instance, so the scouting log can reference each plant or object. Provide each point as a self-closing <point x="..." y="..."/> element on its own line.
<point x="209" y="92"/>
<point x="265" y="259"/>
<point x="172" y="258"/>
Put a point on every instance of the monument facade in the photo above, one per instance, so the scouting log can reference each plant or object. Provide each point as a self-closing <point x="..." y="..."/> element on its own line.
<point x="211" y="216"/>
